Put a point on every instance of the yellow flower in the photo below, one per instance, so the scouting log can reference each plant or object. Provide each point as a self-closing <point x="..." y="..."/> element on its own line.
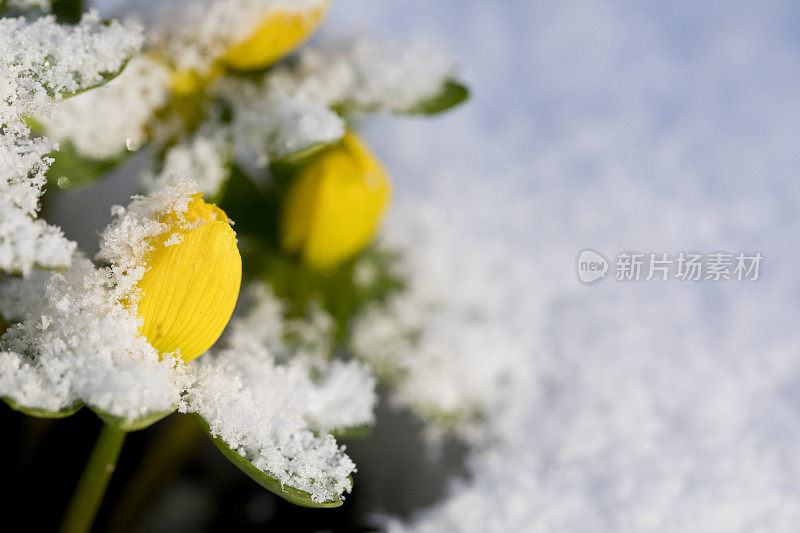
<point x="278" y="34"/>
<point x="335" y="204"/>
<point x="190" y="288"/>
<point x="189" y="82"/>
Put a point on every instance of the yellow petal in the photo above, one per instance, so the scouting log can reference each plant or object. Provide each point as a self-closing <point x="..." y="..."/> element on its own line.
<point x="335" y="204"/>
<point x="190" y="289"/>
<point x="196" y="210"/>
<point x="278" y="34"/>
<point x="185" y="82"/>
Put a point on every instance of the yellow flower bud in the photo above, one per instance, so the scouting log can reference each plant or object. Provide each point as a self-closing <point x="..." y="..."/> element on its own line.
<point x="190" y="288"/>
<point x="187" y="82"/>
<point x="278" y="34"/>
<point x="335" y="204"/>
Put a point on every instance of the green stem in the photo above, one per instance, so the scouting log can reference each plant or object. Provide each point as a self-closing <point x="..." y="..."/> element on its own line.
<point x="94" y="480"/>
<point x="175" y="443"/>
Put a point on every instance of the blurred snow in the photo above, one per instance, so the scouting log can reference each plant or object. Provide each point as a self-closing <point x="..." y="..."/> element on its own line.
<point x="659" y="406"/>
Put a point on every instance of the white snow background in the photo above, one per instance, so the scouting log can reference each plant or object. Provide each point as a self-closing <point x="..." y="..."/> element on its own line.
<point x="655" y="127"/>
<point x="649" y="406"/>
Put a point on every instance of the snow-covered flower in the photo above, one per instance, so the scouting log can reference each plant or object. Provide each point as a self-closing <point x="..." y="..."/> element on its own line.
<point x="88" y="336"/>
<point x="122" y="334"/>
<point x="278" y="33"/>
<point x="180" y="97"/>
<point x="192" y="281"/>
<point x="196" y="35"/>
<point x="335" y="203"/>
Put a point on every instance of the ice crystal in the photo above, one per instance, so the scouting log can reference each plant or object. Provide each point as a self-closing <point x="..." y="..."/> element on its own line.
<point x="39" y="62"/>
<point x="291" y="107"/>
<point x="102" y="123"/>
<point x="267" y="393"/>
<point x="25" y="241"/>
<point x="42" y="60"/>
<point x="77" y="344"/>
<point x="78" y="337"/>
<point x="365" y="74"/>
<point x="270" y="123"/>
<point x="126" y="242"/>
<point x="267" y="409"/>
<point x="204" y="157"/>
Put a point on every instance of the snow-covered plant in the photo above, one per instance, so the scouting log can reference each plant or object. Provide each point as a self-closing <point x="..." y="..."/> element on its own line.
<point x="201" y="112"/>
<point x="40" y="63"/>
<point x="226" y="118"/>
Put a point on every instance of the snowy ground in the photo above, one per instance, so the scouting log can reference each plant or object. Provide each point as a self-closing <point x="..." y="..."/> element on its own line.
<point x="638" y="406"/>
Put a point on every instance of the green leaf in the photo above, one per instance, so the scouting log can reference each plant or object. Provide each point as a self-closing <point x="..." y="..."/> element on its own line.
<point x="42" y="413"/>
<point x="6" y="11"/>
<point x="72" y="170"/>
<point x="252" y="208"/>
<point x="105" y="77"/>
<point x="136" y="424"/>
<point x="291" y="494"/>
<point x="451" y="94"/>
<point x="67" y="11"/>
<point x="300" y="156"/>
<point x="353" y="433"/>
<point x="37" y="266"/>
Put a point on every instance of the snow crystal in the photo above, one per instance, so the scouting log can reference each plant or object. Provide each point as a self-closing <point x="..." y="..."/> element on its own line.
<point x="102" y="123"/>
<point x="75" y="344"/>
<point x="40" y="61"/>
<point x="77" y="340"/>
<point x="268" y="410"/>
<point x="291" y="107"/>
<point x="204" y="158"/>
<point x="16" y="297"/>
<point x="342" y="394"/>
<point x="445" y="354"/>
<point x="273" y="122"/>
<point x="26" y="242"/>
<point x="126" y="242"/>
<point x="366" y="74"/>
<point x="193" y="34"/>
